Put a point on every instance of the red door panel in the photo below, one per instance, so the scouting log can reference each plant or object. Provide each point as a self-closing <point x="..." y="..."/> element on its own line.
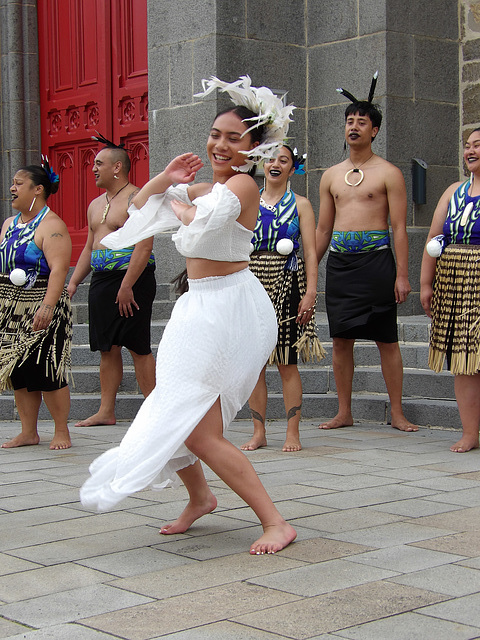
<point x="93" y="77"/>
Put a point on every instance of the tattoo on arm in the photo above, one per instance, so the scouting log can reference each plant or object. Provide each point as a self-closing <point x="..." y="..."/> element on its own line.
<point x="131" y="197"/>
<point x="291" y="412"/>
<point x="57" y="235"/>
<point x="256" y="416"/>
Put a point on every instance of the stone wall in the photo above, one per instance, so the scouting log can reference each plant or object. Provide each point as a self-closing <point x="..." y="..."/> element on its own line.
<point x="19" y="96"/>
<point x="310" y="48"/>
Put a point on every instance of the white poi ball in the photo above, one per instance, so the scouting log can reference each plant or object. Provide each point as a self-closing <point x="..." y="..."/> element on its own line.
<point x="434" y="248"/>
<point x="252" y="247"/>
<point x="18" y="277"/>
<point x="284" y="246"/>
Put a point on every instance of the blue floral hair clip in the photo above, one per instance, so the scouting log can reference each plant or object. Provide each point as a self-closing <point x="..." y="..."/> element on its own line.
<point x="52" y="176"/>
<point x="299" y="162"/>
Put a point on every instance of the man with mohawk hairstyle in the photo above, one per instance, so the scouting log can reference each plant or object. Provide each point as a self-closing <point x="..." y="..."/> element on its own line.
<point x="122" y="288"/>
<point x="363" y="286"/>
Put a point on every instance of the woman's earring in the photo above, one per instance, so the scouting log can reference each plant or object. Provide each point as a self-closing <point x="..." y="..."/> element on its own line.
<point x="264" y="183"/>
<point x="116" y="177"/>
<point x="288" y="185"/>
<point x="33" y="203"/>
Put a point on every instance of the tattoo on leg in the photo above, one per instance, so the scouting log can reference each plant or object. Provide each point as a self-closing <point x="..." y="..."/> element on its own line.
<point x="256" y="416"/>
<point x="291" y="413"/>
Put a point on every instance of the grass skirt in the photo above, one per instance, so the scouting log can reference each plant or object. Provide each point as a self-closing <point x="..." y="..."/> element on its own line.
<point x="18" y="307"/>
<point x="286" y="288"/>
<point x="455" y="331"/>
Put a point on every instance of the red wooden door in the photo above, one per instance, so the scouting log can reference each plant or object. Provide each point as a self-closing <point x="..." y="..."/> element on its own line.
<point x="93" y="76"/>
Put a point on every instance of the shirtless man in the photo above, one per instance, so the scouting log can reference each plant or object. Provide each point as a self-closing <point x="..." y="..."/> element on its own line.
<point x="357" y="197"/>
<point x="122" y="287"/>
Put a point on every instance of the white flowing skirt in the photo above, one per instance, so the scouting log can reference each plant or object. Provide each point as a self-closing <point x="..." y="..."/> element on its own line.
<point x="217" y="341"/>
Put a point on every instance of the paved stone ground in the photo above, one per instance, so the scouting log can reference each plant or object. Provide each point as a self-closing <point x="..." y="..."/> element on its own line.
<point x="388" y="545"/>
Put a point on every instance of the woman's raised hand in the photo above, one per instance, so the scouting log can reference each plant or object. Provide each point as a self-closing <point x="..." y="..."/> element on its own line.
<point x="183" y="169"/>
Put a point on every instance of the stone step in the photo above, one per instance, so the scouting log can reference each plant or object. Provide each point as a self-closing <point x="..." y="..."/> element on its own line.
<point x="366" y="407"/>
<point x="417" y="383"/>
<point x="415" y="355"/>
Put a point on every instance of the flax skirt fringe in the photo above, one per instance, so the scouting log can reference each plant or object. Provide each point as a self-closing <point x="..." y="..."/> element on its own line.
<point x="286" y="288"/>
<point x="455" y="332"/>
<point x="17" y="340"/>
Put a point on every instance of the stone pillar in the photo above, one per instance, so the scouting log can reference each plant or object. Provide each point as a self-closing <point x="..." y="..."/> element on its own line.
<point x="19" y="106"/>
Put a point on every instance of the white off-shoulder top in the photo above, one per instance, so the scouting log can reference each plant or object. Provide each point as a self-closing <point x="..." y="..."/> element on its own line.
<point x="214" y="233"/>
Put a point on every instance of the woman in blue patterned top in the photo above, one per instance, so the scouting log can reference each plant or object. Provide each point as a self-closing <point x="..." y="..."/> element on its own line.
<point x="35" y="313"/>
<point x="450" y="291"/>
<point x="291" y="283"/>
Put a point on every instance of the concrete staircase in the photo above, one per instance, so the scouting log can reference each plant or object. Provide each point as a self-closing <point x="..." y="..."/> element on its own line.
<point x="428" y="397"/>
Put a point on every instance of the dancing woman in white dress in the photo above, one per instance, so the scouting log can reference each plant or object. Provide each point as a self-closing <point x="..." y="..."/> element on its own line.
<point x="221" y="332"/>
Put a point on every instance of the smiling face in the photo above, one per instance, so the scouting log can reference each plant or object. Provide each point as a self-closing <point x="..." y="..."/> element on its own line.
<point x="225" y="143"/>
<point x="23" y="191"/>
<point x="359" y="130"/>
<point x="471" y="152"/>
<point x="279" y="169"/>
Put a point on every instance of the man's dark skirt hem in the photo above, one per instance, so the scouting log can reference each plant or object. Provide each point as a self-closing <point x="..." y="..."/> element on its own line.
<point x="360" y="295"/>
<point x="106" y="326"/>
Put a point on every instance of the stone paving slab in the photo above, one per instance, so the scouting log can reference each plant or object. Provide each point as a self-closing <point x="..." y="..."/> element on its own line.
<point x="387" y="548"/>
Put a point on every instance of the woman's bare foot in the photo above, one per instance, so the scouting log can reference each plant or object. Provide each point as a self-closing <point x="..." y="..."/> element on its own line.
<point x="464" y="444"/>
<point x="257" y="442"/>
<point x="292" y="444"/>
<point x="21" y="441"/>
<point x="61" y="440"/>
<point x="337" y="422"/>
<point x="275" y="538"/>
<point x="402" y="424"/>
<point x="188" y="516"/>
<point x="96" y="420"/>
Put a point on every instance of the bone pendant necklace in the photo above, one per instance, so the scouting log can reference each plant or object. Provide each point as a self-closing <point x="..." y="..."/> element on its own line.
<point x="107" y="206"/>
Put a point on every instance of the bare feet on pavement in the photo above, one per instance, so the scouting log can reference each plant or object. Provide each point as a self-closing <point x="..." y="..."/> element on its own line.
<point x="292" y="444"/>
<point x="21" y="441"/>
<point x="188" y="516"/>
<point x="337" y="422"/>
<point x="402" y="424"/>
<point x="275" y="538"/>
<point x="254" y="443"/>
<point x="96" y="420"/>
<point x="464" y="444"/>
<point x="61" y="441"/>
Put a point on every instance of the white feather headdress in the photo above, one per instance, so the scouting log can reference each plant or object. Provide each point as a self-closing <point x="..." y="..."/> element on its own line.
<point x="270" y="109"/>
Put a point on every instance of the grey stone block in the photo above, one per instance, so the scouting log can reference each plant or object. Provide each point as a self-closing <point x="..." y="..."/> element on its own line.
<point x="370" y="49"/>
<point x="180" y="73"/>
<point x="326" y="136"/>
<point x="429" y="146"/>
<point x="231" y="17"/>
<point x="237" y="57"/>
<point x="328" y="22"/>
<point x="170" y="22"/>
<point x="436" y="70"/>
<point x="285" y="22"/>
<point x="440" y="20"/>
<point x="372" y="16"/>
<point x="158" y="83"/>
<point x="400" y="49"/>
<point x="435" y="413"/>
<point x="204" y="60"/>
<point x="471" y="50"/>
